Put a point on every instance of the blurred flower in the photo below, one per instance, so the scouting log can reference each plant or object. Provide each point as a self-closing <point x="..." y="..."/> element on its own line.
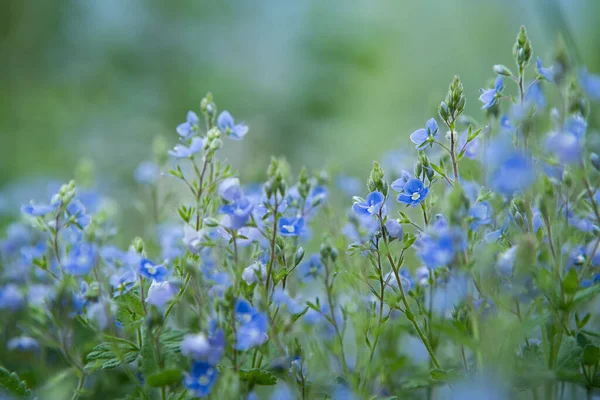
<point x="11" y="297"/>
<point x="147" y="173"/>
<point x="567" y="144"/>
<point x="82" y="259"/>
<point x="23" y="343"/>
<point x="394" y="228"/>
<point x="239" y="212"/>
<point x="590" y="84"/>
<point x="488" y="97"/>
<point x="252" y="331"/>
<point x="160" y="293"/>
<point x="199" y="347"/>
<point x="37" y="210"/>
<point x="76" y="210"/>
<point x="310" y="269"/>
<point x="371" y="206"/>
<point x="230" y="190"/>
<point x="350" y="185"/>
<point x="227" y="125"/>
<point x="201" y="378"/>
<point x="413" y="192"/>
<point x="187" y="128"/>
<point x="123" y="283"/>
<point x="424" y="136"/>
<point x="291" y="226"/>
<point x="398" y="184"/>
<point x="252" y="272"/>
<point x="471" y="148"/>
<point x="546" y="73"/>
<point x="515" y="173"/>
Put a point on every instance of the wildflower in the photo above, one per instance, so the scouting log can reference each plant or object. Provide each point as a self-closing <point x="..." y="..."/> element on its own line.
<point x="193" y="239"/>
<point x="439" y="246"/>
<point x="590" y="84"/>
<point x="310" y="269"/>
<point x="252" y="331"/>
<point x="480" y="214"/>
<point x="546" y="73"/>
<point x="22" y="343"/>
<point x="291" y="226"/>
<point x="82" y="259"/>
<point x="230" y="190"/>
<point x="371" y="206"/>
<point x="76" y="211"/>
<point x="413" y="192"/>
<point x="405" y="279"/>
<point x="398" y="184"/>
<point x="160" y="293"/>
<point x="187" y="128"/>
<point x="394" y="228"/>
<point x="254" y="272"/>
<point x="199" y="347"/>
<point x="488" y="97"/>
<point x="11" y="297"/>
<point x="37" y="210"/>
<point x="227" y="125"/>
<point x="147" y="173"/>
<point x="568" y="143"/>
<point x="350" y="185"/>
<point x="471" y="149"/>
<point x="201" y="378"/>
<point x="239" y="212"/>
<point x="514" y="174"/>
<point x="424" y="136"/>
<point x="123" y="283"/>
<point x="181" y="151"/>
<point x="152" y="271"/>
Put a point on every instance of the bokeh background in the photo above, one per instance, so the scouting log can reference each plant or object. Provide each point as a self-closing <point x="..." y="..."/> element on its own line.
<point x="325" y="83"/>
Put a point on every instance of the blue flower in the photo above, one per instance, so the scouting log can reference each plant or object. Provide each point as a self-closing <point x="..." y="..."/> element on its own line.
<point x="514" y="174"/>
<point x="22" y="343"/>
<point x="252" y="331"/>
<point x="480" y="214"/>
<point x="11" y="297"/>
<point x="187" y="128"/>
<point x="82" y="259"/>
<point x="123" y="283"/>
<point x="239" y="212"/>
<point x="310" y="269"/>
<point x="201" y="348"/>
<point x="488" y="97"/>
<point x="181" y="151"/>
<point x="398" y="184"/>
<point x="424" y="136"/>
<point x="37" y="210"/>
<point x="471" y="148"/>
<point x="546" y="73"/>
<point x="568" y="144"/>
<point x="590" y="84"/>
<point x="371" y="206"/>
<point x="413" y="192"/>
<point x="291" y="226"/>
<point x="201" y="378"/>
<point x="350" y="185"/>
<point x="230" y="190"/>
<point x="535" y="96"/>
<point x="76" y="210"/>
<point x="160" y="293"/>
<point x="147" y="173"/>
<point x="438" y="246"/>
<point x="394" y="228"/>
<point x="227" y="125"/>
<point x="152" y="271"/>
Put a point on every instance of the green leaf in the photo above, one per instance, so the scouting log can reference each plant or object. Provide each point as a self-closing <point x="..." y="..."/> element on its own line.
<point x="257" y="377"/>
<point x="570" y="354"/>
<point x="10" y="382"/>
<point x="571" y="282"/>
<point x="103" y="355"/>
<point x="591" y="355"/>
<point x="164" y="378"/>
<point x="586" y="294"/>
<point x="149" y="361"/>
<point x="299" y="315"/>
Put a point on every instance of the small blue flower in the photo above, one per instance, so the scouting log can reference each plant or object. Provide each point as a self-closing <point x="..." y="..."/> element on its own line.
<point x="239" y="212"/>
<point x="590" y="84"/>
<point x="471" y="148"/>
<point x="160" y="293"/>
<point x="514" y="174"/>
<point x="82" y="259"/>
<point x="230" y="190"/>
<point x="546" y="73"/>
<point x="252" y="331"/>
<point x="568" y="144"/>
<point x="424" y="136"/>
<point x="190" y="125"/>
<point x="181" y="151"/>
<point x="11" y="297"/>
<point x="201" y="378"/>
<point x="371" y="206"/>
<point x="438" y="246"/>
<point x="488" y="97"/>
<point x="310" y="269"/>
<point x="398" y="184"/>
<point x="227" y="125"/>
<point x="413" y="192"/>
<point x="123" y="283"/>
<point x="394" y="228"/>
<point x="76" y="210"/>
<point x="201" y="348"/>
<point x="535" y="96"/>
<point x="480" y="214"/>
<point x="291" y="226"/>
<point x="22" y="343"/>
<point x="37" y="210"/>
<point x="152" y="271"/>
<point x="147" y="173"/>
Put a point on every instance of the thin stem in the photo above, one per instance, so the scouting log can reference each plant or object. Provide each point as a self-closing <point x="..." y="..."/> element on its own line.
<point x="199" y="191"/>
<point x="333" y="319"/>
<point x="272" y="255"/>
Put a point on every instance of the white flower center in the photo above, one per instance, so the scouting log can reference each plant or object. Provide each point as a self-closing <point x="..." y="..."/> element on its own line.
<point x="203" y="380"/>
<point x="151" y="269"/>
<point x="371" y="209"/>
<point x="415" y="196"/>
<point x="289" y="228"/>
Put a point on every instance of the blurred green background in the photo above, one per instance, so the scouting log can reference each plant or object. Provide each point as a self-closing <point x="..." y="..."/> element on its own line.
<point x="325" y="83"/>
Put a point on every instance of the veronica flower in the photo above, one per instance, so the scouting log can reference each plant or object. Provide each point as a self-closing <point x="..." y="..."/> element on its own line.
<point x="201" y="378"/>
<point x="439" y="246"/>
<point x="394" y="228"/>
<point x="413" y="192"/>
<point x="152" y="271"/>
<point x="590" y="84"/>
<point x="76" y="210"/>
<point x="193" y="239"/>
<point x="514" y="174"/>
<point x="291" y="226"/>
<point x="23" y="343"/>
<point x="488" y="97"/>
<point x="254" y="272"/>
<point x="310" y="269"/>
<point x="160" y="293"/>
<point x="567" y="144"/>
<point x="425" y="136"/>
<point x="11" y="297"/>
<point x="480" y="214"/>
<point x="227" y="125"/>
<point x="181" y="151"/>
<point x="398" y="184"/>
<point x="471" y="148"/>
<point x="371" y="206"/>
<point x="201" y="348"/>
<point x="147" y="173"/>
<point x="37" y="210"/>
<point x="230" y="190"/>
<point x="252" y="331"/>
<point x="190" y="125"/>
<point x="239" y="212"/>
<point x="123" y="283"/>
<point x="82" y="259"/>
<point x="546" y="73"/>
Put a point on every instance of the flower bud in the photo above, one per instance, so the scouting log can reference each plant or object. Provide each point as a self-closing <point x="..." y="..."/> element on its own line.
<point x="502" y="70"/>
